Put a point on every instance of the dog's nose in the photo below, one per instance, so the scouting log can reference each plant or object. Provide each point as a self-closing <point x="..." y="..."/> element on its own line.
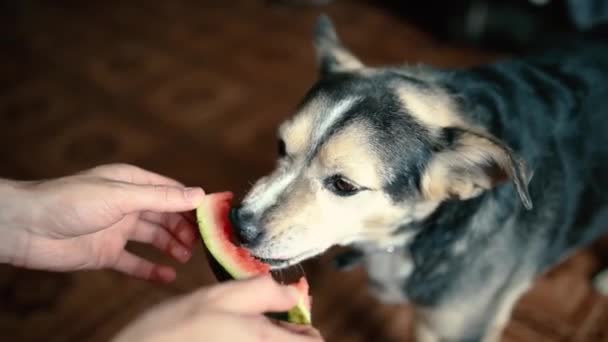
<point x="246" y="232"/>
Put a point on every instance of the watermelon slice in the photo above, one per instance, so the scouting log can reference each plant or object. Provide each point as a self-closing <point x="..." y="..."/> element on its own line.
<point x="230" y="261"/>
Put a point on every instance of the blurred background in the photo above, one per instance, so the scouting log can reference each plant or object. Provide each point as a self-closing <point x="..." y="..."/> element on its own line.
<point x="195" y="90"/>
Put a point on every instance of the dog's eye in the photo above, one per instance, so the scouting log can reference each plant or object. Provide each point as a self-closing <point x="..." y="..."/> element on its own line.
<point x="282" y="149"/>
<point x="341" y="186"/>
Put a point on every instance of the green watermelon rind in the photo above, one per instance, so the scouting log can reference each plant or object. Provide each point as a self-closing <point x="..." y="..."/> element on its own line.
<point x="203" y="216"/>
<point x="299" y="314"/>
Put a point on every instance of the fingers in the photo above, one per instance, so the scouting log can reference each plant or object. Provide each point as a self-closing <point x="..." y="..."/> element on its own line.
<point x="162" y="198"/>
<point x="253" y="296"/>
<point x="176" y="223"/>
<point x="139" y="189"/>
<point x="132" y="174"/>
<point x="218" y="326"/>
<point x="143" y="269"/>
<point x="160" y="238"/>
<point x="300" y="329"/>
<point x="181" y="319"/>
<point x="267" y="331"/>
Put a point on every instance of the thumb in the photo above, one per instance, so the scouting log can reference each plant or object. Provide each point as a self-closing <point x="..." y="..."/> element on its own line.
<point x="160" y="198"/>
<point x="254" y="296"/>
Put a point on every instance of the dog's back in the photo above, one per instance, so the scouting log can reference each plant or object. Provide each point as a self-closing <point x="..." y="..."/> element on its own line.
<point x="552" y="109"/>
<point x="473" y="259"/>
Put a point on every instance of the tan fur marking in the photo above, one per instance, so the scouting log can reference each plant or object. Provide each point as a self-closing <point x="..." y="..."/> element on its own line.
<point x="301" y="195"/>
<point x="346" y="60"/>
<point x="440" y="182"/>
<point x="432" y="108"/>
<point x="297" y="132"/>
<point x="505" y="310"/>
<point x="350" y="153"/>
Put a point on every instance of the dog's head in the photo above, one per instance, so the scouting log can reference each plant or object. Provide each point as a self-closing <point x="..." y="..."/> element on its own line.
<point x="368" y="151"/>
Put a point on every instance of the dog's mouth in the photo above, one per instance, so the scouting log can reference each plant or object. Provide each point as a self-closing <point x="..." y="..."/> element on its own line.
<point x="273" y="262"/>
<point x="278" y="264"/>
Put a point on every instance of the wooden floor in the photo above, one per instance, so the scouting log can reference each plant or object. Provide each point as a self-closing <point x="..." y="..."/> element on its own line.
<point x="195" y="90"/>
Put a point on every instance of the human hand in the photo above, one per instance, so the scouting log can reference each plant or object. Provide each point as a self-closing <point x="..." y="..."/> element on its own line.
<point x="84" y="221"/>
<point x="231" y="311"/>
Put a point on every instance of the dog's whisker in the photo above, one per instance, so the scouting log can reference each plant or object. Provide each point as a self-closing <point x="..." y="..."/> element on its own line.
<point x="301" y="269"/>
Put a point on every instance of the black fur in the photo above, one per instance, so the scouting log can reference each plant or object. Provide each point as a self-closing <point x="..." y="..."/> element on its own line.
<point x="552" y="110"/>
<point x="393" y="131"/>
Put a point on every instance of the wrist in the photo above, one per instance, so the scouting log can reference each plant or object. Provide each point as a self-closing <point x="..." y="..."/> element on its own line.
<point x="14" y="235"/>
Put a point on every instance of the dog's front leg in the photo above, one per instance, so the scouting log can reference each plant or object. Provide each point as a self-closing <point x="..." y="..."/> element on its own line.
<point x="473" y="319"/>
<point x="504" y="308"/>
<point x="451" y="325"/>
<point x="448" y="323"/>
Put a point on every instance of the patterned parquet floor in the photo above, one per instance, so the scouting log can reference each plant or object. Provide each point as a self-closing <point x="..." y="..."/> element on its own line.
<point x="195" y="90"/>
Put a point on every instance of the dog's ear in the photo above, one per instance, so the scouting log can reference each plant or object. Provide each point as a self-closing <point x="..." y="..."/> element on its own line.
<point x="331" y="55"/>
<point x="470" y="163"/>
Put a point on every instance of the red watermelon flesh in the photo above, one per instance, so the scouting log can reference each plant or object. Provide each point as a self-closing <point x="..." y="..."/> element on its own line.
<point x="236" y="262"/>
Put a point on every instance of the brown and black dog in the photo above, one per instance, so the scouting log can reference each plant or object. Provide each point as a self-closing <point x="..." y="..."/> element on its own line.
<point x="458" y="187"/>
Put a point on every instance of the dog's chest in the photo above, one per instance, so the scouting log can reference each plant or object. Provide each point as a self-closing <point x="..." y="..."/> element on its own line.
<point x="388" y="271"/>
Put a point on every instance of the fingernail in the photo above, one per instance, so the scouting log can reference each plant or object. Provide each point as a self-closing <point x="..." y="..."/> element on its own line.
<point x="193" y="193"/>
<point x="181" y="254"/>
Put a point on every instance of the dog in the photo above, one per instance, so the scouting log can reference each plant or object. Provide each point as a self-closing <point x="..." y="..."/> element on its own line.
<point x="457" y="187"/>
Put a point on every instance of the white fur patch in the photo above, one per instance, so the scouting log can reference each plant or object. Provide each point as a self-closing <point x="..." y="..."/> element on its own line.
<point x="271" y="191"/>
<point x="325" y="121"/>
